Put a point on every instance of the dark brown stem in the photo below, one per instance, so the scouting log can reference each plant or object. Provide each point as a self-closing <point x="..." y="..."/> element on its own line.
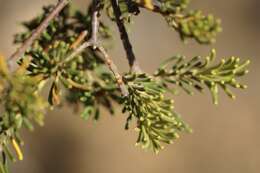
<point x="124" y="37"/>
<point x="37" y="32"/>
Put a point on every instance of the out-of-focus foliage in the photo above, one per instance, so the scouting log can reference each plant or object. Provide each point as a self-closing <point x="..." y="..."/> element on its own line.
<point x="83" y="75"/>
<point x="22" y="105"/>
<point x="188" y="23"/>
<point x="65" y="27"/>
<point x="195" y="25"/>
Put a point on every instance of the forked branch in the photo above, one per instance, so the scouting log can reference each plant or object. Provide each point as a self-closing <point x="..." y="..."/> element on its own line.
<point x="93" y="42"/>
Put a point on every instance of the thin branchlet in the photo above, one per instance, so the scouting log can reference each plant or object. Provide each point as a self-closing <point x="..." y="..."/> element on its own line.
<point x="95" y="22"/>
<point x="38" y="31"/>
<point x="94" y="39"/>
<point x="115" y="71"/>
<point x="93" y="42"/>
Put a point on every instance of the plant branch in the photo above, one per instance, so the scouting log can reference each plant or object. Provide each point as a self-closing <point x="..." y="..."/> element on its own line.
<point x="95" y="22"/>
<point x="113" y="68"/>
<point x="111" y="65"/>
<point x="94" y="34"/>
<point x="80" y="38"/>
<point x="93" y="42"/>
<point x="77" y="51"/>
<point x="124" y="37"/>
<point x="37" y="32"/>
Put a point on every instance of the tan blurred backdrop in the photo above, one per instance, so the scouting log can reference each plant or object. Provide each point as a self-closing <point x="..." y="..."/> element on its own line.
<point x="226" y="137"/>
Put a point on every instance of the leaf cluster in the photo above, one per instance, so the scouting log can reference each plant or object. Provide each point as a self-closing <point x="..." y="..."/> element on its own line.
<point x="156" y="119"/>
<point x="67" y="26"/>
<point x="198" y="73"/>
<point x="188" y="23"/>
<point x="22" y="105"/>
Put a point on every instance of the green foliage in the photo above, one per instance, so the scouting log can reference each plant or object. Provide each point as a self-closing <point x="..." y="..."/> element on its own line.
<point x="199" y="72"/>
<point x="195" y="25"/>
<point x="157" y="122"/>
<point x="89" y="79"/>
<point x="102" y="91"/>
<point x="22" y="105"/>
<point x="65" y="27"/>
<point x="173" y="6"/>
<point x="84" y="77"/>
<point x="188" y="23"/>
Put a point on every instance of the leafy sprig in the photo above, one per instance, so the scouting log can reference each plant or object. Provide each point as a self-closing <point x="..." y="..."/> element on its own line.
<point x="200" y="72"/>
<point x="156" y="120"/>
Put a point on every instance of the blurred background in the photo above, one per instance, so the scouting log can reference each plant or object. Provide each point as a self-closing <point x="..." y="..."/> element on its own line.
<point x="226" y="137"/>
